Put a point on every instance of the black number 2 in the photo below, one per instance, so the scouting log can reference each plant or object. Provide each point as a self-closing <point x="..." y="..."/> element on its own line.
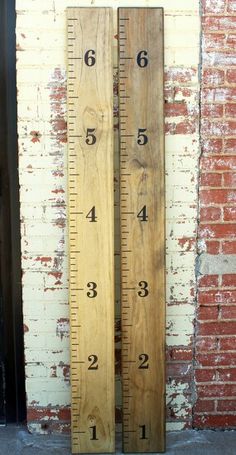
<point x="93" y="359"/>
<point x="89" y="57"/>
<point x="144" y="361"/>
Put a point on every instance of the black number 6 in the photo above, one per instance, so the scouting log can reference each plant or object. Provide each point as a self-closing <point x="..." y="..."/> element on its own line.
<point x="142" y="59"/>
<point x="89" y="57"/>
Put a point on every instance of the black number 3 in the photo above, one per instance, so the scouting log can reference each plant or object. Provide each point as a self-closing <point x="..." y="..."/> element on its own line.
<point x="144" y="289"/>
<point x="92" y="293"/>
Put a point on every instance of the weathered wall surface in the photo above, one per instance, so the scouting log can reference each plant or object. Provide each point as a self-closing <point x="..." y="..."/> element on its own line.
<point x="215" y="371"/>
<point x="41" y="79"/>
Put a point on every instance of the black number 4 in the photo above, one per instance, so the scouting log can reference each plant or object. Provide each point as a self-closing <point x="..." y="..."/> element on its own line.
<point x="142" y="138"/>
<point x="142" y="215"/>
<point x="90" y="138"/>
<point x="91" y="215"/>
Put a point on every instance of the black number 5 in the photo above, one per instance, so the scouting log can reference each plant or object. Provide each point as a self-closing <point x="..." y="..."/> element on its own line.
<point x="90" y="138"/>
<point x="144" y="289"/>
<point x="142" y="138"/>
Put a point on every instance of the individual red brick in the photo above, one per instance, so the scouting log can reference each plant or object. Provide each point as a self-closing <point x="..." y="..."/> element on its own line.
<point x="230" y="109"/>
<point x="227" y="343"/>
<point x="230" y="145"/>
<point x="214" y="23"/>
<point x="229" y="280"/>
<point x="214" y="421"/>
<point x="219" y="231"/>
<point x="218" y="128"/>
<point x="226" y="405"/>
<point x="212" y="110"/>
<point x="231" y="7"/>
<point x="213" y="40"/>
<point x="230" y="214"/>
<point x="229" y="247"/>
<point x="217" y="328"/>
<point x="207" y="313"/>
<point x="228" y="312"/>
<point x="204" y="406"/>
<point x="231" y="76"/>
<point x="205" y="375"/>
<point x="212" y="246"/>
<point x="219" y="95"/>
<point x="216" y="358"/>
<point x="188" y="126"/>
<point x="212" y="145"/>
<point x="180" y="354"/>
<point x="216" y="297"/>
<point x="217" y="390"/>
<point x="181" y="75"/>
<point x="213" y="77"/>
<point x="206" y="344"/>
<point x="210" y="179"/>
<point x="210" y="214"/>
<point x="231" y="41"/>
<point x="219" y="162"/>
<point x="217" y="196"/>
<point x="219" y="57"/>
<point x="179" y="370"/>
<point x="176" y="109"/>
<point x="229" y="179"/>
<point x="227" y="374"/>
<point x="208" y="281"/>
<point x="213" y="6"/>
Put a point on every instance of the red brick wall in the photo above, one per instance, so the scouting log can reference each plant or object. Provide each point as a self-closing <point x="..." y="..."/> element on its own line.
<point x="215" y="356"/>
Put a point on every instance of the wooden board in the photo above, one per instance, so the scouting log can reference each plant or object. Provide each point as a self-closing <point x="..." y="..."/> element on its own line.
<point x="142" y="227"/>
<point x="90" y="175"/>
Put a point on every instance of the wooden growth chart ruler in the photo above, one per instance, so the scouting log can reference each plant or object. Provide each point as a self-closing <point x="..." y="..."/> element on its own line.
<point x="90" y="174"/>
<point x="91" y="233"/>
<point x="142" y="227"/>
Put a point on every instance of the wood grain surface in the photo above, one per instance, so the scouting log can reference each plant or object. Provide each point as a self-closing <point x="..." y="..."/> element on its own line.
<point x="91" y="231"/>
<point x="142" y="208"/>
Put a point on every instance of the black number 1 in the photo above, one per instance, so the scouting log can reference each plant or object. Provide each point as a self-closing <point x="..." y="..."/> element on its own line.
<point x="143" y="432"/>
<point x="94" y="433"/>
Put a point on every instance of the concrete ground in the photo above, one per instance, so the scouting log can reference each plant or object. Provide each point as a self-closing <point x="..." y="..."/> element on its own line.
<point x="17" y="441"/>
